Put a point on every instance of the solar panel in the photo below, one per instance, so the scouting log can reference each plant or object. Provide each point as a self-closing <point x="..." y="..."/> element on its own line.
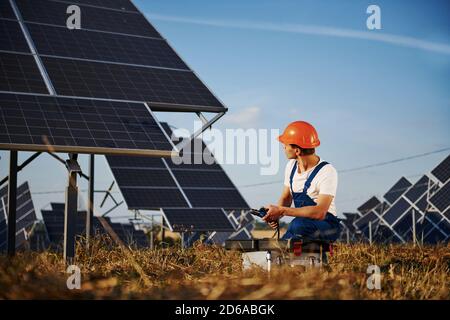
<point x="397" y="190"/>
<point x="383" y="234"/>
<point x="447" y="213"/>
<point x="363" y="223"/>
<point x="444" y="225"/>
<point x="205" y="184"/>
<point x="242" y="234"/>
<point x="404" y="225"/>
<point x="434" y="237"/>
<point x="150" y="185"/>
<point x="382" y="207"/>
<point x="54" y="223"/>
<point x="69" y="124"/>
<point x="11" y="37"/>
<point x="219" y="238"/>
<point x="349" y="219"/>
<point x="159" y="87"/>
<point x="442" y="170"/>
<point x="243" y="218"/>
<point x="396" y="211"/>
<point x="217" y="198"/>
<point x="19" y="72"/>
<point x="60" y="41"/>
<point x="123" y="57"/>
<point x="152" y="199"/>
<point x="418" y="189"/>
<point x="145" y="183"/>
<point x="422" y="204"/>
<point x="110" y="4"/>
<point x="54" y="13"/>
<point x="369" y="205"/>
<point x="195" y="219"/>
<point x="134" y="162"/>
<point x="441" y="199"/>
<point x="25" y="214"/>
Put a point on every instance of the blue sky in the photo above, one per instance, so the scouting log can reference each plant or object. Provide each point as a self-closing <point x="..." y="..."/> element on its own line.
<point x="279" y="61"/>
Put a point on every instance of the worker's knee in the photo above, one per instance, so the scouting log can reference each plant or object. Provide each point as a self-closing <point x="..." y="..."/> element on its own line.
<point x="300" y="226"/>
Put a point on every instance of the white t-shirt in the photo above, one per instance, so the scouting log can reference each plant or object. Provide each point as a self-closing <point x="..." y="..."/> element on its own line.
<point x="325" y="182"/>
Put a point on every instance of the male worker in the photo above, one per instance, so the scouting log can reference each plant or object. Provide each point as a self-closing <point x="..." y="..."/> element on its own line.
<point x="311" y="183"/>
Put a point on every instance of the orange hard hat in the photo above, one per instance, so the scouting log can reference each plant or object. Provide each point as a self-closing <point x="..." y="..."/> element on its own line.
<point x="300" y="133"/>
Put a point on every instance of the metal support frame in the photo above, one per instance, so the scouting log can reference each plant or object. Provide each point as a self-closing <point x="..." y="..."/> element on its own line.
<point x="206" y="124"/>
<point x="12" y="203"/>
<point x="71" y="208"/>
<point x="90" y="204"/>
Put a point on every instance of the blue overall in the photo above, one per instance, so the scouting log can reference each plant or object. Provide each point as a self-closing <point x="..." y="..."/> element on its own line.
<point x="307" y="228"/>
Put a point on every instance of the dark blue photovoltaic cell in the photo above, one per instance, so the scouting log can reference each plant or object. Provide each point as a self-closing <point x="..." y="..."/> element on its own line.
<point x="441" y="199"/>
<point x="78" y="123"/>
<point x="369" y="205"/>
<point x="60" y="41"/>
<point x="364" y="220"/>
<point x="25" y="214"/>
<point x="202" y="179"/>
<point x="145" y="186"/>
<point x="422" y="203"/>
<point x="153" y="199"/>
<point x="198" y="220"/>
<point x="51" y="12"/>
<point x="216" y="198"/>
<point x="144" y="177"/>
<point x="19" y="72"/>
<point x="11" y="37"/>
<point x="418" y="189"/>
<point x="54" y="223"/>
<point x="442" y="171"/>
<point x="134" y="162"/>
<point x="395" y="211"/>
<point x="397" y="190"/>
<point x="447" y="213"/>
<point x="5" y="10"/>
<point x="124" y="5"/>
<point x="158" y="87"/>
<point x="349" y="219"/>
<point x="405" y="223"/>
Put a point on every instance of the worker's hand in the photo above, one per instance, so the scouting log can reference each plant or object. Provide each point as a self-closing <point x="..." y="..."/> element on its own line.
<point x="273" y="224"/>
<point x="273" y="213"/>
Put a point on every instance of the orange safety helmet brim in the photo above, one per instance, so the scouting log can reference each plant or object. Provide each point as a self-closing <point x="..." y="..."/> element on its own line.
<point x="300" y="133"/>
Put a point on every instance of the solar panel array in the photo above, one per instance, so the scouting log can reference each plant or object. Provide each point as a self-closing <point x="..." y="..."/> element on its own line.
<point x="427" y="202"/>
<point x="54" y="223"/>
<point x="160" y="183"/>
<point x="89" y="90"/>
<point x="25" y="215"/>
<point x="197" y="219"/>
<point x="150" y="183"/>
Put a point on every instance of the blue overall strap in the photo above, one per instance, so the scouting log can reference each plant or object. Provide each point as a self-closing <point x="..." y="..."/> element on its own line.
<point x="313" y="175"/>
<point x="292" y="175"/>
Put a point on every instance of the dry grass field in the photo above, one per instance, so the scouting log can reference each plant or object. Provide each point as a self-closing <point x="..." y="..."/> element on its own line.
<point x="205" y="272"/>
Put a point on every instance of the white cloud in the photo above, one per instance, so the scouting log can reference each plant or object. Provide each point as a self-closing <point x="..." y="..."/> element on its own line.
<point x="244" y="118"/>
<point x="315" y="30"/>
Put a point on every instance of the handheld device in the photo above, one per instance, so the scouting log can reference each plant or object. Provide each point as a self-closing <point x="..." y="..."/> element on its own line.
<point x="261" y="212"/>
